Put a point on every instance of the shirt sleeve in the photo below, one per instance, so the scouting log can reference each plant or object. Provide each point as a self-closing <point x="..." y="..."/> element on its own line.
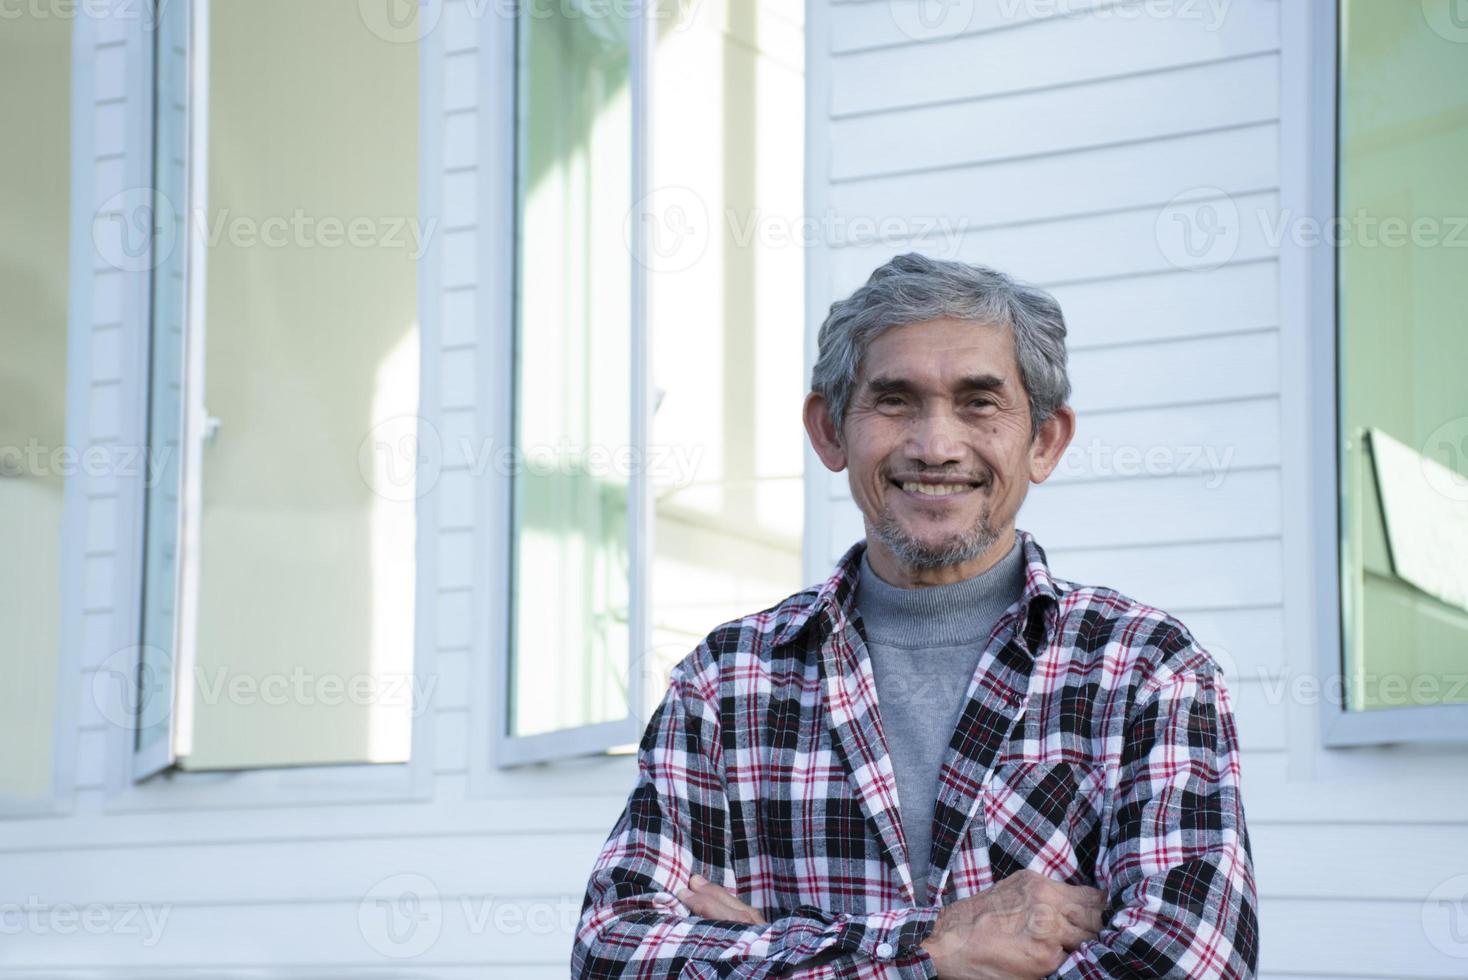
<point x="1178" y="865"/>
<point x="676" y="824"/>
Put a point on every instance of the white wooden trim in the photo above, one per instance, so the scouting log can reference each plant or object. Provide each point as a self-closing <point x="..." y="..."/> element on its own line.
<point x="195" y="414"/>
<point x="495" y="138"/>
<point x="816" y="544"/>
<point x="161" y="754"/>
<point x="132" y="423"/>
<point x="641" y="524"/>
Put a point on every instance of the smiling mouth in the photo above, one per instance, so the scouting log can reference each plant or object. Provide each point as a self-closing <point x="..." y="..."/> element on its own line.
<point x="935" y="489"/>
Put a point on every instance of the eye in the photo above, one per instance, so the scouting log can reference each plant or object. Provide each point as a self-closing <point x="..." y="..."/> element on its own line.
<point x="980" y="401"/>
<point x="890" y="400"/>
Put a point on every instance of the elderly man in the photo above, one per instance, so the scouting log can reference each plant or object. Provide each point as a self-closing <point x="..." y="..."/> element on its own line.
<point x="945" y="760"/>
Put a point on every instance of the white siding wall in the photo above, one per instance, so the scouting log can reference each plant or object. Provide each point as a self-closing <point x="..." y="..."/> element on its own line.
<point x="1053" y="144"/>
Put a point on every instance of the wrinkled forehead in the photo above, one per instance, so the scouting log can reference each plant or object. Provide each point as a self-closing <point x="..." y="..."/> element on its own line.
<point x="940" y="354"/>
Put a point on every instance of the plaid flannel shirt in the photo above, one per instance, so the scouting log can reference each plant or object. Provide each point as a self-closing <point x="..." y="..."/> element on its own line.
<point x="1096" y="746"/>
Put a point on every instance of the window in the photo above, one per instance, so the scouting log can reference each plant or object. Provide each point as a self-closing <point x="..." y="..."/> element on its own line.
<point x="573" y="511"/>
<point x="35" y="86"/>
<point x="279" y="578"/>
<point x="659" y="351"/>
<point x="1402" y="343"/>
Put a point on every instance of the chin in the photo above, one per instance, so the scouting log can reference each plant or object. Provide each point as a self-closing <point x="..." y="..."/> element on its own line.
<point x="962" y="542"/>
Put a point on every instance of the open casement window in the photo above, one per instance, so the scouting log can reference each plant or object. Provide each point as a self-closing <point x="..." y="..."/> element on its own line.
<point x="279" y="573"/>
<point x="1402" y="344"/>
<point x="576" y="520"/>
<point x="655" y="489"/>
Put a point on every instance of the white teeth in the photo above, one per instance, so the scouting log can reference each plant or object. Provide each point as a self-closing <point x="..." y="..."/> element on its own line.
<point x="936" y="489"/>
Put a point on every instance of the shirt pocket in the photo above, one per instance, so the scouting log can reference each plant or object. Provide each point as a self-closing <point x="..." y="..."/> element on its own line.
<point x="1044" y="816"/>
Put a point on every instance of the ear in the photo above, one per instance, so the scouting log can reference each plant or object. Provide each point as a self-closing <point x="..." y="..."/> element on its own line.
<point x="1050" y="443"/>
<point x="825" y="436"/>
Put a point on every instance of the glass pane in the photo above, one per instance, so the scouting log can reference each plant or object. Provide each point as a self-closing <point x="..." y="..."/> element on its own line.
<point x="35" y="92"/>
<point x="726" y="312"/>
<point x="1403" y="345"/>
<point x="300" y="396"/>
<point x="569" y="622"/>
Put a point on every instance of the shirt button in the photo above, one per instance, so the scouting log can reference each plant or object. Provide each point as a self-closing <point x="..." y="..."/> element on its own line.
<point x="885" y="951"/>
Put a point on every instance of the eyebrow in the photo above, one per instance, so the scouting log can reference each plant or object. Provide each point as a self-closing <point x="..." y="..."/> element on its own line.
<point x="884" y="384"/>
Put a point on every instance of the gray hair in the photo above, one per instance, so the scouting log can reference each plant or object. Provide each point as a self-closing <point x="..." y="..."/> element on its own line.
<point x="912" y="288"/>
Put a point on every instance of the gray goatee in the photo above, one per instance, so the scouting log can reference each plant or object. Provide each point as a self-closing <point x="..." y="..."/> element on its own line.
<point x="915" y="553"/>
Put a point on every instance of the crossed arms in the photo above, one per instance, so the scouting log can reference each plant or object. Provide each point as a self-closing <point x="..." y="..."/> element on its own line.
<point x="1177" y="894"/>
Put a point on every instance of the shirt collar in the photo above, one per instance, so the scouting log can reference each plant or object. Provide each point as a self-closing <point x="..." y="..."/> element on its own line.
<point x="835" y="599"/>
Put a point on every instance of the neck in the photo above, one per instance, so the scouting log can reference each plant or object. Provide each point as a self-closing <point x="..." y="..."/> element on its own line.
<point x="946" y="615"/>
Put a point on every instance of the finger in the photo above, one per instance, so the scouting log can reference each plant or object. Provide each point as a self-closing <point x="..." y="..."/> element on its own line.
<point x="716" y="902"/>
<point x="699" y="905"/>
<point x="1087" y="917"/>
<point x="733" y="908"/>
<point x="1069" y="935"/>
<point x="702" y="896"/>
<point x="1085" y="895"/>
<point x="714" y="894"/>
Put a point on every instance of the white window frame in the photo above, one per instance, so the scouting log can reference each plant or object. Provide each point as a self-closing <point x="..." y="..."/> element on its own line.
<point x="493" y="640"/>
<point x="1308" y="275"/>
<point x="136" y="782"/>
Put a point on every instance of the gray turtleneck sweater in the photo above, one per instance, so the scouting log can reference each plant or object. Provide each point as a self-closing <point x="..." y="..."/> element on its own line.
<point x="925" y="644"/>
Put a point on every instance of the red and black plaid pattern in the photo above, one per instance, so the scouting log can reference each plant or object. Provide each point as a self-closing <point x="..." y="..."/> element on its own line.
<point x="1096" y="746"/>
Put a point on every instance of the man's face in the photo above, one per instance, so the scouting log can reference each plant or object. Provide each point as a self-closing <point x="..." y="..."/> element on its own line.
<point x="937" y="441"/>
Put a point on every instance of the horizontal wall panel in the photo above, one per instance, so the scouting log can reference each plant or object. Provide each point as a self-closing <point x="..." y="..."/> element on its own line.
<point x="1052" y="52"/>
<point x="1130" y="109"/>
<point x="1207" y="369"/>
<point x="482" y="928"/>
<point x="1155" y="510"/>
<point x="1210" y="574"/>
<point x="545" y="802"/>
<point x="1210" y="439"/>
<point x="1306" y="862"/>
<point x="1170" y="305"/>
<point x="246" y="873"/>
<point x="1353" y="938"/>
<point x="857" y="24"/>
<point x="1085" y="182"/>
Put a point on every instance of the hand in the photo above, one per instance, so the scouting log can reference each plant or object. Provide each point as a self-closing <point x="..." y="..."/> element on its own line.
<point x="708" y="900"/>
<point x="1023" y="927"/>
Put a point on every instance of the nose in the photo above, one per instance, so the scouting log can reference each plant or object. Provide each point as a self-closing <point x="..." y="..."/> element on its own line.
<point x="935" y="439"/>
